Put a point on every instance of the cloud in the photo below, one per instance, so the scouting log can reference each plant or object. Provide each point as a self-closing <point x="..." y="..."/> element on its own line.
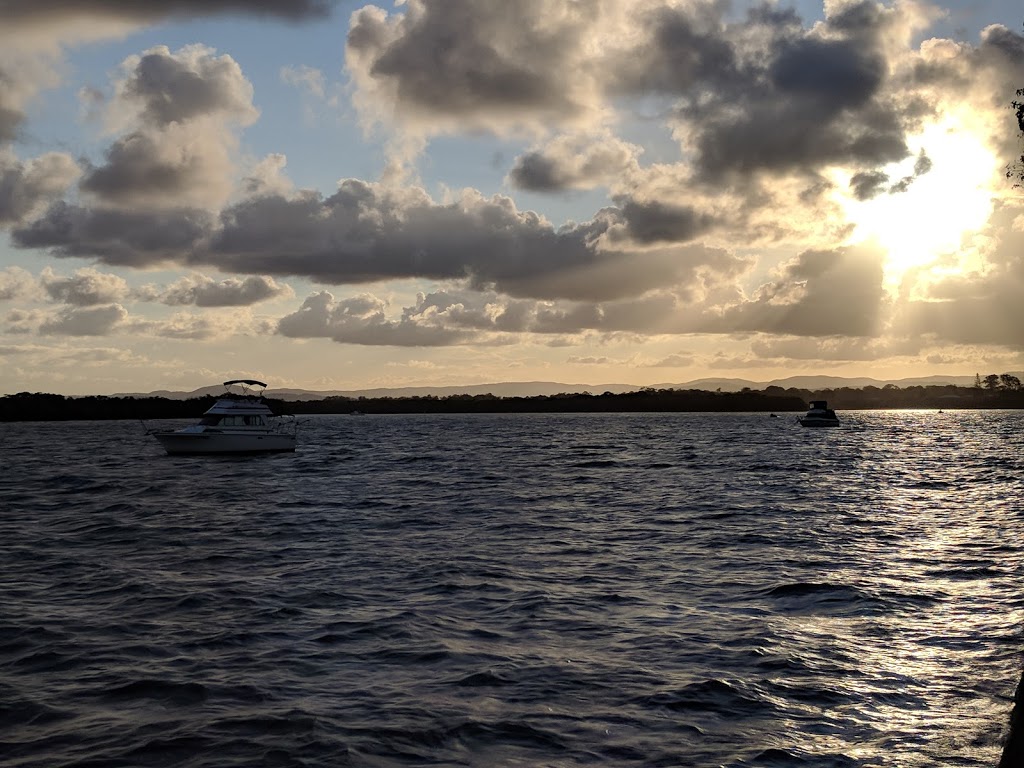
<point x="447" y="317"/>
<point x="267" y="178"/>
<point x="27" y="187"/>
<point x="194" y="327"/>
<point x="811" y="97"/>
<point x="821" y="293"/>
<point x="203" y="291"/>
<point x="308" y="79"/>
<point x="16" y="283"/>
<point x="368" y="233"/>
<point x="868" y="184"/>
<point x="979" y="302"/>
<point x="574" y="162"/>
<point x="462" y="64"/>
<point x="24" y="71"/>
<point x="85" y="321"/>
<point x="33" y="33"/>
<point x="764" y="111"/>
<point x="812" y="104"/>
<point x="672" y="361"/>
<point x="164" y="88"/>
<point x="362" y="320"/>
<point x="85" y="288"/>
<point x="986" y="311"/>
<point x="836" y="349"/>
<point x="180" y="109"/>
<point x="19" y="13"/>
<point x="658" y="222"/>
<point x="121" y="237"/>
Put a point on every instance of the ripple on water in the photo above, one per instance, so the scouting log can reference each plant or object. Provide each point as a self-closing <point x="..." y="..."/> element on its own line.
<point x="605" y="589"/>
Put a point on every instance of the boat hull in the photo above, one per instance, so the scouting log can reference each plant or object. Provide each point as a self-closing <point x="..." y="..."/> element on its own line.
<point x="819" y="422"/>
<point x="179" y="443"/>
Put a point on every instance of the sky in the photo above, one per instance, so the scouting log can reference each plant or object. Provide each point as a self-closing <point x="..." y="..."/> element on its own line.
<point x="339" y="195"/>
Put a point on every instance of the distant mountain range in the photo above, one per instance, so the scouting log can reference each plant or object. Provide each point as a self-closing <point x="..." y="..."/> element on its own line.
<point x="543" y="388"/>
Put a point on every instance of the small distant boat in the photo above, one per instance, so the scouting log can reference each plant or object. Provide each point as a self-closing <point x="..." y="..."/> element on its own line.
<point x="820" y="415"/>
<point x="236" y="423"/>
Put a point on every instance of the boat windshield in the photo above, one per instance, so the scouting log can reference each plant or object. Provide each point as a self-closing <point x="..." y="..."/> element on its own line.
<point x="232" y="421"/>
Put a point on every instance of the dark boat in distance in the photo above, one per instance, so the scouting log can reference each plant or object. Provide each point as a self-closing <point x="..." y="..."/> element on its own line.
<point x="819" y="415"/>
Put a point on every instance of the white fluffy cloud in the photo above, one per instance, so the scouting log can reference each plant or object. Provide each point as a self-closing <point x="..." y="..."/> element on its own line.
<point x="16" y="283"/>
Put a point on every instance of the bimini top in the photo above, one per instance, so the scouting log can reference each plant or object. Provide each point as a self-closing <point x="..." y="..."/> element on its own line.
<point x="249" y="382"/>
<point x="245" y="404"/>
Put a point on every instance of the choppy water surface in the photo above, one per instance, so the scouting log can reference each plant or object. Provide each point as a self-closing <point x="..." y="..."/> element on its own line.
<point x="655" y="589"/>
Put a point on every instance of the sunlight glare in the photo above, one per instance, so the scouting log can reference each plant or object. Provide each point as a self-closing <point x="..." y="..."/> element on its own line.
<point x="938" y="208"/>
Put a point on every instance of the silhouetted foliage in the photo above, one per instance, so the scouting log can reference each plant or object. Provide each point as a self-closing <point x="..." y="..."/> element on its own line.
<point x="1006" y="392"/>
<point x="1016" y="169"/>
<point x="1007" y="381"/>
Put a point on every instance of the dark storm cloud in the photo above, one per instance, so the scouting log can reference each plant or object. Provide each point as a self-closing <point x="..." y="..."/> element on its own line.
<point x="758" y="94"/>
<point x="129" y="238"/>
<point x="822" y="293"/>
<point x="814" y="102"/>
<point x="35" y="12"/>
<point x="135" y="166"/>
<point x="537" y="173"/>
<point x="834" y="74"/>
<point x="366" y="233"/>
<point x="653" y="222"/>
<point x="684" y="49"/>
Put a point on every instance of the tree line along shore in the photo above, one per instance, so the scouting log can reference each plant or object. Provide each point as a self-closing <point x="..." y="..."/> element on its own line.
<point x="26" y="406"/>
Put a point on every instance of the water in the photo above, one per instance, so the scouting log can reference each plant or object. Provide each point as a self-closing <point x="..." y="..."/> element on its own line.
<point x="518" y="590"/>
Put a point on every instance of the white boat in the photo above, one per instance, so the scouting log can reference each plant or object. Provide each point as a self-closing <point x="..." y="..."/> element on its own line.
<point x="820" y="415"/>
<point x="236" y="423"/>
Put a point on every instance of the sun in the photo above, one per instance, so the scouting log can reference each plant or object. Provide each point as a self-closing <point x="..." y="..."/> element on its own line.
<point x="944" y="198"/>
